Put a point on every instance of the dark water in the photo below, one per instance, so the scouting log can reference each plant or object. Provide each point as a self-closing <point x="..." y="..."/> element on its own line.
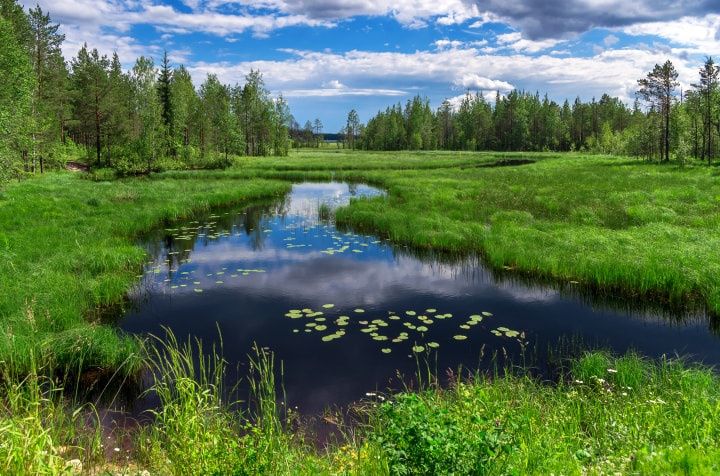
<point x="242" y="271"/>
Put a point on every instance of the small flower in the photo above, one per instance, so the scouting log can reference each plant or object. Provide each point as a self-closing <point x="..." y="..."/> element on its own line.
<point x="612" y="371"/>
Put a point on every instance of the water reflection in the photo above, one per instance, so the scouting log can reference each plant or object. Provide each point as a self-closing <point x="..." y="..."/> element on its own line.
<point x="244" y="270"/>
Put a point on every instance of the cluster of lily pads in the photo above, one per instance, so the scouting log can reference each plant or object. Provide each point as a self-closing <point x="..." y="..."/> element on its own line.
<point x="342" y="242"/>
<point x="418" y="322"/>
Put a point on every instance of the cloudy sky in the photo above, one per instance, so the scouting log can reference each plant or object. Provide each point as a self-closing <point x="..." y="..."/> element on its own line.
<point x="328" y="56"/>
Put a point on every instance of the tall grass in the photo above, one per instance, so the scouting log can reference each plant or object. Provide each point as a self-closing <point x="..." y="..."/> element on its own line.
<point x="40" y="434"/>
<point x="69" y="255"/>
<point x="605" y="415"/>
<point x="198" y="429"/>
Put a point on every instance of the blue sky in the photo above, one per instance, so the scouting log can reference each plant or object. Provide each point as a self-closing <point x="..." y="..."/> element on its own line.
<point x="328" y="56"/>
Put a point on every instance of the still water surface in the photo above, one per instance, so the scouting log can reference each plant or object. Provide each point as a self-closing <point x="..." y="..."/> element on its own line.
<point x="280" y="274"/>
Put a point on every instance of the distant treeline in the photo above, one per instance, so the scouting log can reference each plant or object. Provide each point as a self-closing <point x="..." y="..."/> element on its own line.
<point x="663" y="125"/>
<point x="132" y="121"/>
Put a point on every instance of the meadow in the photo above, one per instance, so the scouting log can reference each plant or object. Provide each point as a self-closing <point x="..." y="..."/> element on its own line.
<point x="614" y="225"/>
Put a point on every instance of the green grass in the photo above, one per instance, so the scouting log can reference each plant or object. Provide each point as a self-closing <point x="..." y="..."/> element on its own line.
<point x="613" y="224"/>
<point x="69" y="254"/>
<point x="610" y="416"/>
<point x="607" y="415"/>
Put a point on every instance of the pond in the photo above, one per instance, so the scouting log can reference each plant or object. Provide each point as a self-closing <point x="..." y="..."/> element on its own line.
<point x="348" y="313"/>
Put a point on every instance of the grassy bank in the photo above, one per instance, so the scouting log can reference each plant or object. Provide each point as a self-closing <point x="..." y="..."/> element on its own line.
<point x="614" y="224"/>
<point x="68" y="252"/>
<point x="607" y="416"/>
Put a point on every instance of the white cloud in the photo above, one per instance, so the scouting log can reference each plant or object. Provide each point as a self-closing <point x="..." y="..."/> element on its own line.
<point x="447" y="44"/>
<point x="516" y="42"/>
<point x="411" y="13"/>
<point x="390" y="73"/>
<point x="479" y="83"/>
<point x="701" y="35"/>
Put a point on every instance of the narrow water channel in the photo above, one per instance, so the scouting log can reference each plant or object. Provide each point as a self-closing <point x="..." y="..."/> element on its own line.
<point x="347" y="313"/>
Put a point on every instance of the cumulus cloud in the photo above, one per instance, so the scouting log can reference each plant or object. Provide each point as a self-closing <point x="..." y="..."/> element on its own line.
<point x="479" y="83"/>
<point x="698" y="35"/>
<point x="612" y="71"/>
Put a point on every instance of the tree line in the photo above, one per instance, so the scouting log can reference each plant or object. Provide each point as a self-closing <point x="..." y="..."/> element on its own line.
<point x="135" y="121"/>
<point x="662" y="123"/>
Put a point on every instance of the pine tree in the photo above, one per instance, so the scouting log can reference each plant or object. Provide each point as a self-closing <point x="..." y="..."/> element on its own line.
<point x="147" y="111"/>
<point x="15" y="100"/>
<point x="185" y="105"/>
<point x="49" y="106"/>
<point x="90" y="87"/>
<point x="707" y="89"/>
<point x="164" y="87"/>
<point x="658" y="89"/>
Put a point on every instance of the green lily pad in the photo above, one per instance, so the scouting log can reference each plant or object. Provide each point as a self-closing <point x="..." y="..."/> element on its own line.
<point x="459" y="337"/>
<point x="418" y="348"/>
<point x="385" y="350"/>
<point x="433" y="345"/>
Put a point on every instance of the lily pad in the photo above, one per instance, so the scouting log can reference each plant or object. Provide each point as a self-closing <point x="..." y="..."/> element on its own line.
<point x="459" y="337"/>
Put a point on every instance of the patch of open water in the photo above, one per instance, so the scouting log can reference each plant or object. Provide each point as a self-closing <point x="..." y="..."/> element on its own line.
<point x="347" y="313"/>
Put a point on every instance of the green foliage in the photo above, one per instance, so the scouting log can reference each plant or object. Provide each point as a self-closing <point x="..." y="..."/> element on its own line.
<point x="15" y="101"/>
<point x="426" y="434"/>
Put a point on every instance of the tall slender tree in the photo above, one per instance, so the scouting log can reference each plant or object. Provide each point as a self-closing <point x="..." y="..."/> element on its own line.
<point x="707" y="89"/>
<point x="352" y="127"/>
<point x="164" y="87"/>
<point x="15" y="100"/>
<point x="658" y="89"/>
<point x="90" y="83"/>
<point x="49" y="104"/>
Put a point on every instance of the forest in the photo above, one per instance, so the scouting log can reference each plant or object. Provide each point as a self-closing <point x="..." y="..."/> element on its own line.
<point x="664" y="122"/>
<point x="150" y="117"/>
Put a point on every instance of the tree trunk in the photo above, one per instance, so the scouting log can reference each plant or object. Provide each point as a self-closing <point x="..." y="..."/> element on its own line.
<point x="667" y="132"/>
<point x="97" y="128"/>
